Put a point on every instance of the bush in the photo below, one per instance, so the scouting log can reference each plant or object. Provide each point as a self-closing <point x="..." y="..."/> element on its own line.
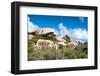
<point x="52" y="54"/>
<point x="46" y="53"/>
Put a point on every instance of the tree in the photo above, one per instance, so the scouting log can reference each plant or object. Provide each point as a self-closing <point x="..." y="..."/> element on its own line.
<point x="67" y="38"/>
<point x="85" y="43"/>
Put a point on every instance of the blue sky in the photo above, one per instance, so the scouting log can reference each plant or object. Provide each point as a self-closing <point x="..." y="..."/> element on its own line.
<point x="52" y="21"/>
<point x="61" y="25"/>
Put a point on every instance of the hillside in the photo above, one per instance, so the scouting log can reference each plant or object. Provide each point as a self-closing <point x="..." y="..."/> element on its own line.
<point x="43" y="44"/>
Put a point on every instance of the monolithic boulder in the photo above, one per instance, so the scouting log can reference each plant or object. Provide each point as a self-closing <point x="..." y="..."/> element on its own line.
<point x="44" y="43"/>
<point x="43" y="31"/>
<point x="72" y="44"/>
<point x="30" y="37"/>
<point x="61" y="42"/>
<point x="60" y="39"/>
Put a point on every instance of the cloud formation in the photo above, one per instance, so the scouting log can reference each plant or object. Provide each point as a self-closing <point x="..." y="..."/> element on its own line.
<point x="79" y="34"/>
<point x="76" y="33"/>
<point x="63" y="30"/>
<point x="31" y="26"/>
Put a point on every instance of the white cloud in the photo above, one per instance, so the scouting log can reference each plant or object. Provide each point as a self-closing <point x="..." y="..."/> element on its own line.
<point x="63" y="30"/>
<point x="82" y="19"/>
<point x="32" y="27"/>
<point x="77" y="33"/>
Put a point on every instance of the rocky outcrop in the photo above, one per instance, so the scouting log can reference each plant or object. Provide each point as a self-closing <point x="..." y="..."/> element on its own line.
<point x="72" y="44"/>
<point x="60" y="39"/>
<point x="30" y="36"/>
<point x="42" y="31"/>
<point x="44" y="43"/>
<point x="62" y="45"/>
<point x="61" y="42"/>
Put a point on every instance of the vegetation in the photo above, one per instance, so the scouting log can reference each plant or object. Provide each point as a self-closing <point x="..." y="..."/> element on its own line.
<point x="52" y="54"/>
<point x="46" y="53"/>
<point x="67" y="38"/>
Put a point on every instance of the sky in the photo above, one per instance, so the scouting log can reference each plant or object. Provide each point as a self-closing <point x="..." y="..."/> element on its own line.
<point x="73" y="26"/>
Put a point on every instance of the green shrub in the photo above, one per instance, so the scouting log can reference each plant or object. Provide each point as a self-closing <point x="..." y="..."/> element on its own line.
<point x="46" y="53"/>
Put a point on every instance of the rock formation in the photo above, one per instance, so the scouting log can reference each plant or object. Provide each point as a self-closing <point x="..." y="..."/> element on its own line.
<point x="42" y="31"/>
<point x="44" y="43"/>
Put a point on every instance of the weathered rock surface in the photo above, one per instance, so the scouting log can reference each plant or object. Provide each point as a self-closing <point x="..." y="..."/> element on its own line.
<point x="43" y="31"/>
<point x="44" y="43"/>
<point x="72" y="44"/>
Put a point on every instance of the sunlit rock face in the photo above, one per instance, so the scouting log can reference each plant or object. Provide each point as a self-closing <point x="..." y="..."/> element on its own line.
<point x="44" y="43"/>
<point x="30" y="37"/>
<point x="42" y="31"/>
<point x="73" y="44"/>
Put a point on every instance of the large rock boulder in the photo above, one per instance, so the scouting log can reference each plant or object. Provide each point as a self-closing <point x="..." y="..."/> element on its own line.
<point x="30" y="36"/>
<point x="44" y="43"/>
<point x="61" y="42"/>
<point x="43" y="31"/>
<point x="60" y="39"/>
<point x="72" y="44"/>
<point x="62" y="45"/>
